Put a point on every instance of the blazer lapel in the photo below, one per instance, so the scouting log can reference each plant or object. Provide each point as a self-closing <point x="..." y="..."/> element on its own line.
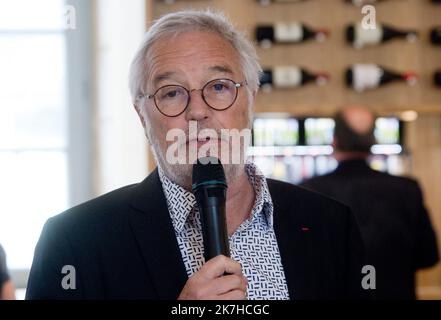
<point x="153" y="230"/>
<point x="293" y="233"/>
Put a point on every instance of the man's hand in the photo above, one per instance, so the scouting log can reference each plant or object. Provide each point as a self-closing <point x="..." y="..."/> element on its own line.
<point x="210" y="283"/>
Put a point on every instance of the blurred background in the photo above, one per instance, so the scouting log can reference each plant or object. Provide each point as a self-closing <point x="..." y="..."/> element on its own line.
<point x="68" y="131"/>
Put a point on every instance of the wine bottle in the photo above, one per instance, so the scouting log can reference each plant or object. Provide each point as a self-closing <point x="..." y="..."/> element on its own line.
<point x="360" y="37"/>
<point x="437" y="78"/>
<point x="293" y="32"/>
<point x="268" y="2"/>
<point x="360" y="3"/>
<point x="361" y="77"/>
<point x="435" y="36"/>
<point x="283" y="77"/>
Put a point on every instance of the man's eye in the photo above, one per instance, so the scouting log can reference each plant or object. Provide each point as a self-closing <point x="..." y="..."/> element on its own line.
<point x="218" y="86"/>
<point x="170" y="94"/>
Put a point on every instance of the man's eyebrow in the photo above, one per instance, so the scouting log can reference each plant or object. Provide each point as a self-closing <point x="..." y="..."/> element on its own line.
<point x="223" y="69"/>
<point x="168" y="74"/>
<point x="162" y="76"/>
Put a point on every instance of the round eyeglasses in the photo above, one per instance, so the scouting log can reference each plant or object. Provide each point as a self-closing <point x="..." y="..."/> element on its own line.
<point x="173" y="100"/>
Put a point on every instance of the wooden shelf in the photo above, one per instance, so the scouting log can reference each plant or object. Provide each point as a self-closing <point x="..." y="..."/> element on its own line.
<point x="335" y="55"/>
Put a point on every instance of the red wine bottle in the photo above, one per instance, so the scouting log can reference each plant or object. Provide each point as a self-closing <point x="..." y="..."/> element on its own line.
<point x="360" y="3"/>
<point x="361" y="77"/>
<point x="435" y="36"/>
<point x="268" y="2"/>
<point x="284" y="77"/>
<point x="360" y="37"/>
<point x="437" y="78"/>
<point x="293" y="32"/>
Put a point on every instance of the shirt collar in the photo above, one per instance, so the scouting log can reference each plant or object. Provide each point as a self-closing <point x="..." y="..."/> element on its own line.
<point x="263" y="202"/>
<point x="182" y="203"/>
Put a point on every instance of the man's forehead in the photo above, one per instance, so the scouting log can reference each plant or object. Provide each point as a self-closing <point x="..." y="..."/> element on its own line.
<point x="204" y="51"/>
<point x="209" y="70"/>
<point x="193" y="38"/>
<point x="190" y="45"/>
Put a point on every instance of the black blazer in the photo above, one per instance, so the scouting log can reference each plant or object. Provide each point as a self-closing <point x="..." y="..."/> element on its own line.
<point x="123" y="246"/>
<point x="394" y="223"/>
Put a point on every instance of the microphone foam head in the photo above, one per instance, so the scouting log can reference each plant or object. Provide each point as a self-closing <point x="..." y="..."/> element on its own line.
<point x="208" y="171"/>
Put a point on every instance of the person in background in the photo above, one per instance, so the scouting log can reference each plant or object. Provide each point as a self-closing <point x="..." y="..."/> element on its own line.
<point x="7" y="290"/>
<point x="394" y="223"/>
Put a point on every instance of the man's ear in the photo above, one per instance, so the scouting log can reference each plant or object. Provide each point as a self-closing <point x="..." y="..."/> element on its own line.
<point x="140" y="115"/>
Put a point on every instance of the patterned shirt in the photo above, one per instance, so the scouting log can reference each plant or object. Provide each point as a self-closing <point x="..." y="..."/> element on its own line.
<point x="253" y="244"/>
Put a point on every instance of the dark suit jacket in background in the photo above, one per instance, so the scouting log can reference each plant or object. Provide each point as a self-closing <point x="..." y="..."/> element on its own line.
<point x="4" y="274"/>
<point x="394" y="223"/>
<point x="123" y="246"/>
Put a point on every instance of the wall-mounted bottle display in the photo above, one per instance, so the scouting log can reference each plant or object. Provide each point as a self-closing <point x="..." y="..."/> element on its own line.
<point x="286" y="33"/>
<point x="359" y="36"/>
<point x="361" y="77"/>
<point x="435" y="36"/>
<point x="285" y="77"/>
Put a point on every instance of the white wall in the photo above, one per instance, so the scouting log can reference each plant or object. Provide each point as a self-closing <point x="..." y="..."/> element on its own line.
<point x="121" y="147"/>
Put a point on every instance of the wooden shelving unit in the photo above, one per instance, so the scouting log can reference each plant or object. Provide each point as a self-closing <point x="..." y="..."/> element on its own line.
<point x="334" y="55"/>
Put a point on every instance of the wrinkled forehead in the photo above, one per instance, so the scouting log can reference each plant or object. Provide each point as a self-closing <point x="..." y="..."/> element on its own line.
<point x="190" y="51"/>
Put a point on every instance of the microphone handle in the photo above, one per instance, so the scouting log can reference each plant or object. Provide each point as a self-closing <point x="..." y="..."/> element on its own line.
<point x="214" y="231"/>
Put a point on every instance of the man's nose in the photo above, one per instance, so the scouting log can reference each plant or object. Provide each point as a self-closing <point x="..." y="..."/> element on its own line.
<point x="197" y="109"/>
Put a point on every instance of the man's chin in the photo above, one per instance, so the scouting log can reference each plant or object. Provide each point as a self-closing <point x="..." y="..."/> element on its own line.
<point x="181" y="174"/>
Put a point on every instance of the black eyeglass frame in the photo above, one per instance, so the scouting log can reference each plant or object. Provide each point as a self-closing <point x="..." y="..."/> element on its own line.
<point x="237" y="85"/>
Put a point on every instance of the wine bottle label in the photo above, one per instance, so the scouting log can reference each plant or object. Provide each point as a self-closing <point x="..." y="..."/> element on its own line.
<point x="267" y="2"/>
<point x="364" y="36"/>
<point x="292" y="32"/>
<point x="287" y="76"/>
<point x="366" y="76"/>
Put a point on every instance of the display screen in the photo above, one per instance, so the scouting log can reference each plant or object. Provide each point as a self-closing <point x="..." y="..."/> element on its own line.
<point x="387" y="131"/>
<point x="275" y="132"/>
<point x="319" y="131"/>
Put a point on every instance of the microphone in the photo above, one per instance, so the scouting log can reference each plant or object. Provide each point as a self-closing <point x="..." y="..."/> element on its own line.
<point x="209" y="187"/>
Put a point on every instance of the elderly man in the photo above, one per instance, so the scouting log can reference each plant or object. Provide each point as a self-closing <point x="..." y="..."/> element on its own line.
<point x="394" y="223"/>
<point x="144" y="241"/>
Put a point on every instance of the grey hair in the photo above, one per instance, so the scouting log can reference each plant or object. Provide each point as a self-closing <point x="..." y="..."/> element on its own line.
<point x="194" y="20"/>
